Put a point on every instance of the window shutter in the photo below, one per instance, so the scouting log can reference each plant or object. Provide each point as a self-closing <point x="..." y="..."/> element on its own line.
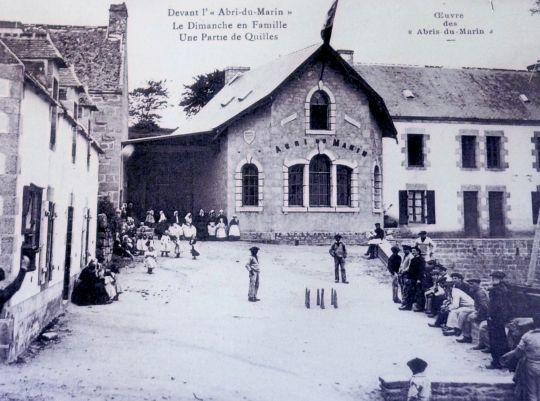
<point x="535" y="205"/>
<point x="403" y="210"/>
<point x="430" y="203"/>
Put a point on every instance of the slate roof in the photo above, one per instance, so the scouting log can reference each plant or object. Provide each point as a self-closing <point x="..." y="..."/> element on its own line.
<point x="67" y="77"/>
<point x="252" y="88"/>
<point x="7" y="56"/>
<point x="33" y="46"/>
<point x="97" y="58"/>
<point x="456" y="94"/>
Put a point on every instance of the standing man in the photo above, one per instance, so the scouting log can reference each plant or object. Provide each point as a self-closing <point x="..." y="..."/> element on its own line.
<point x="252" y="266"/>
<point x="339" y="252"/>
<point x="394" y="262"/>
<point x="412" y="280"/>
<point x="403" y="270"/>
<point x="499" y="313"/>
<point x="7" y="292"/>
<point x="426" y="246"/>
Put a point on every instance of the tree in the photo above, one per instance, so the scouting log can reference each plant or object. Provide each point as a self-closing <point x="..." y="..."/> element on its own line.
<point x="200" y="92"/>
<point x="145" y="102"/>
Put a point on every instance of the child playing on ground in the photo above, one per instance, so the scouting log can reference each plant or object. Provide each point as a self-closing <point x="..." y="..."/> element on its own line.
<point x="150" y="259"/>
<point x="252" y="266"/>
<point x="420" y="385"/>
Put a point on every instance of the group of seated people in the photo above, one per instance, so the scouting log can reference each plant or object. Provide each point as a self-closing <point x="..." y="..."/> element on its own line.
<point x="457" y="306"/>
<point x="96" y="285"/>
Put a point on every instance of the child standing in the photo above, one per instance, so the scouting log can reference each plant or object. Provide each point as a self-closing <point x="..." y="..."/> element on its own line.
<point x="165" y="243"/>
<point x="420" y="385"/>
<point x="150" y="259"/>
<point x="252" y="266"/>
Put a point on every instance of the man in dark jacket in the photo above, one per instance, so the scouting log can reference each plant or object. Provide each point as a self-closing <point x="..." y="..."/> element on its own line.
<point x="374" y="241"/>
<point x="499" y="313"/>
<point x="339" y="252"/>
<point x="481" y="306"/>
<point x="7" y="292"/>
<point x="394" y="262"/>
<point x="459" y="282"/>
<point x="413" y="279"/>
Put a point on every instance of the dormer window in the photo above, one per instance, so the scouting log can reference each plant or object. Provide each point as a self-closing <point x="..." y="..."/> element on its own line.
<point x="524" y="98"/>
<point x="407" y="93"/>
<point x="319" y="107"/>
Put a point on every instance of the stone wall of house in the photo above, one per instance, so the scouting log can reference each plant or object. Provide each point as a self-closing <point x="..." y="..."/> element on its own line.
<point x="110" y="129"/>
<point x="500" y="389"/>
<point x="11" y="92"/>
<point x="280" y="140"/>
<point x="304" y="238"/>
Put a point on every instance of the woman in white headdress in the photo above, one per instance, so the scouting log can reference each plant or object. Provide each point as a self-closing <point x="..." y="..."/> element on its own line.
<point x="234" y="228"/>
<point x="212" y="225"/>
<point x="221" y="230"/>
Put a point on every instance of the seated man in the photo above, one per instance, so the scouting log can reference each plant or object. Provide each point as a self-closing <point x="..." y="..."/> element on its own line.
<point x="7" y="292"/>
<point x="479" y="315"/>
<point x="435" y="295"/>
<point x="461" y="303"/>
<point x="374" y="241"/>
<point x="459" y="282"/>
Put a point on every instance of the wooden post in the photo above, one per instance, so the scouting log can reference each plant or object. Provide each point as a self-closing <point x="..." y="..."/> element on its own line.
<point x="318" y="297"/>
<point x="322" y="298"/>
<point x="335" y="299"/>
<point x="534" y="254"/>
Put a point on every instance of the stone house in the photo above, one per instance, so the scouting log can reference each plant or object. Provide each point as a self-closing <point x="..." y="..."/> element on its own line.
<point x="63" y="114"/>
<point x="294" y="145"/>
<point x="467" y="159"/>
<point x="48" y="172"/>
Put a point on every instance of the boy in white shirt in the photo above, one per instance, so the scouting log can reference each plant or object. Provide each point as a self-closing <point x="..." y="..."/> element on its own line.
<point x="420" y="385"/>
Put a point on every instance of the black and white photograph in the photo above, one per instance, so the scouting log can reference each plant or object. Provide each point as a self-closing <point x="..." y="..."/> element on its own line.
<point x="263" y="200"/>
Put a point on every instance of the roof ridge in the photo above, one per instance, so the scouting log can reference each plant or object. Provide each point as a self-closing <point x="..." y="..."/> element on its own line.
<point x="442" y="67"/>
<point x="57" y="26"/>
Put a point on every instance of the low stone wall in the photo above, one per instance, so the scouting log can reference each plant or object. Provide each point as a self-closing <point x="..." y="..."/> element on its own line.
<point x="479" y="257"/>
<point x="497" y="389"/>
<point x="304" y="238"/>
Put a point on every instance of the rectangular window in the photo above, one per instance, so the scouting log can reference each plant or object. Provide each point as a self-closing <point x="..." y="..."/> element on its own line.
<point x="74" y="146"/>
<point x="468" y="151"/>
<point x="80" y="111"/>
<point x="31" y="216"/>
<point x="54" y="122"/>
<point x="415" y="150"/>
<point x="493" y="152"/>
<point x="250" y="185"/>
<point x="417" y="206"/>
<point x="62" y="94"/>
<point x="537" y="152"/>
<point x="296" y="185"/>
<point x="343" y="186"/>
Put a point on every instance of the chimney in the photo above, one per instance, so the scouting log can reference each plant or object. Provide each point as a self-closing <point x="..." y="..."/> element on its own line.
<point x="118" y="20"/>
<point x="11" y="27"/>
<point x="231" y="72"/>
<point x="347" y="55"/>
<point x="534" y="67"/>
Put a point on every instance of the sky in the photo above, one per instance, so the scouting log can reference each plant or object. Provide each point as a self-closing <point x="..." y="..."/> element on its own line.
<point x="379" y="31"/>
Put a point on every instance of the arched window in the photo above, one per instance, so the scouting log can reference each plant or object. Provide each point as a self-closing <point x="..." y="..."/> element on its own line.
<point x="296" y="185"/>
<point x="319" y="107"/>
<point x="250" y="185"/>
<point x="377" y="188"/>
<point x="343" y="185"/>
<point x="319" y="181"/>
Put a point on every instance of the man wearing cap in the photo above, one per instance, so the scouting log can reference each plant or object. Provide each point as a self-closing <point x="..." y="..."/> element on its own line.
<point x="252" y="266"/>
<point x="481" y="304"/>
<point x="426" y="245"/>
<point x="419" y="385"/>
<point x="374" y="241"/>
<point x="7" y="292"/>
<point x="338" y="251"/>
<point x="499" y="313"/>
<point x="413" y="278"/>
<point x="461" y="303"/>
<point x="529" y="349"/>
<point x="435" y="295"/>
<point x="459" y="282"/>
<point x="403" y="269"/>
<point x="394" y="262"/>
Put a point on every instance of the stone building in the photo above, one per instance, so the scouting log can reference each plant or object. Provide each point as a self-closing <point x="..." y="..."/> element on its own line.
<point x="48" y="176"/>
<point x="295" y="145"/>
<point x="63" y="115"/>
<point x="468" y="153"/>
<point x="99" y="57"/>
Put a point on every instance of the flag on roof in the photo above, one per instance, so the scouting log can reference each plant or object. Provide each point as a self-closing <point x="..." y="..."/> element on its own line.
<point x="326" y="32"/>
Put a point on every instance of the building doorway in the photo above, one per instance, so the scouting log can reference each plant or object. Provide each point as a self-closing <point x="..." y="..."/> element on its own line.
<point x="67" y="260"/>
<point x="470" y="213"/>
<point x="496" y="214"/>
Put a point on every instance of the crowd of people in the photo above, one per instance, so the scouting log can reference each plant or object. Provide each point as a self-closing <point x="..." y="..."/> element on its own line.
<point x="169" y="237"/>
<point x="458" y="305"/>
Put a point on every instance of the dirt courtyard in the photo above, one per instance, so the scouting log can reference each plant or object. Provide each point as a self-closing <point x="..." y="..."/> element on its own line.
<point x="188" y="333"/>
